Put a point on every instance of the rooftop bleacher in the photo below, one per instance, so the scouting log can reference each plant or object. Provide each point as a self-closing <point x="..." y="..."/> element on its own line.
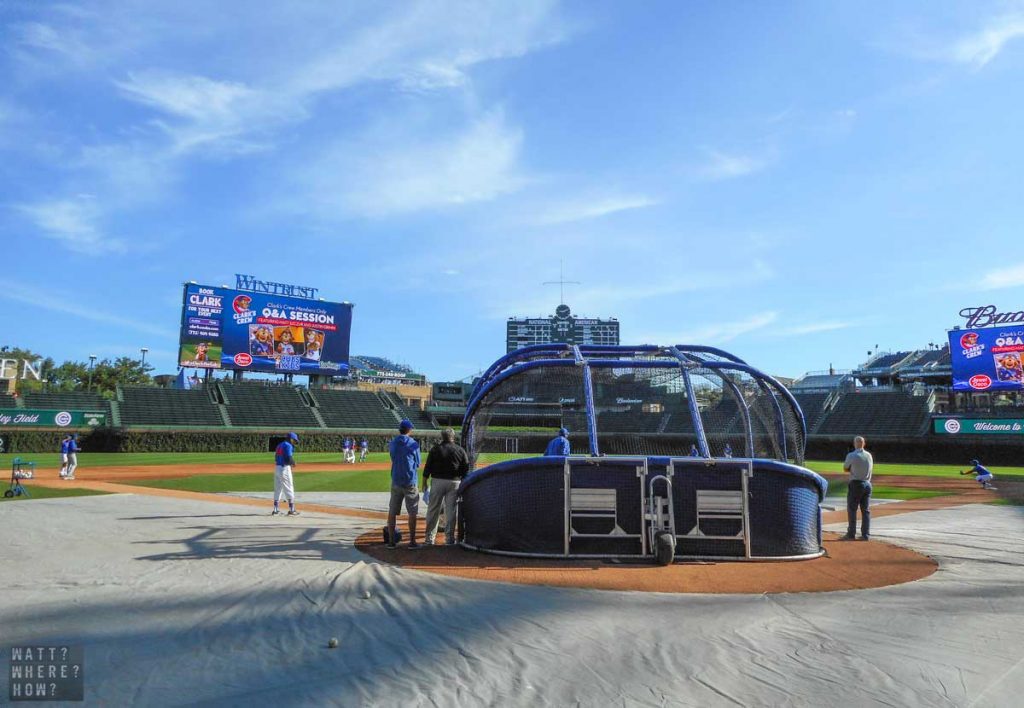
<point x="168" y="406"/>
<point x="255" y="404"/>
<point x="820" y="381"/>
<point x="885" y="360"/>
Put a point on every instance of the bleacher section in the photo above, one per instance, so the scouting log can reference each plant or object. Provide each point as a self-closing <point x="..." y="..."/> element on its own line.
<point x="353" y="409"/>
<point x="168" y="406"/>
<point x="812" y="405"/>
<point x="253" y="404"/>
<point x="876" y="413"/>
<point x="70" y="400"/>
<point x="420" y="419"/>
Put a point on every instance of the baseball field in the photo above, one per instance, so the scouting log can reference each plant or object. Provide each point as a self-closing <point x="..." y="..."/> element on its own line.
<point x="169" y="572"/>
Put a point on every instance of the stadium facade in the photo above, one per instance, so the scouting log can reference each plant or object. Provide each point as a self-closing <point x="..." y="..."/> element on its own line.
<point x="561" y="328"/>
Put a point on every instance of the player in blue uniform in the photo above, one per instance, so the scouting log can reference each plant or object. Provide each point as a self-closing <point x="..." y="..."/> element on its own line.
<point x="559" y="446"/>
<point x="283" y="486"/>
<point x="72" y="456"/>
<point x="982" y="475"/>
<point x="364" y="447"/>
<point x="728" y="450"/>
<point x="64" y="445"/>
<point x="693" y="451"/>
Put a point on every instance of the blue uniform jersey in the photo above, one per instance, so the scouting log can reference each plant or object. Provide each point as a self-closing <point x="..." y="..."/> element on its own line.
<point x="559" y="447"/>
<point x="283" y="454"/>
<point x="364" y="444"/>
<point x="405" y="461"/>
<point x="72" y="446"/>
<point x="980" y="470"/>
<point x="64" y="445"/>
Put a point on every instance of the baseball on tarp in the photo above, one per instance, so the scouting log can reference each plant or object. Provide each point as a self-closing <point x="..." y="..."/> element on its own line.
<point x="332" y="643"/>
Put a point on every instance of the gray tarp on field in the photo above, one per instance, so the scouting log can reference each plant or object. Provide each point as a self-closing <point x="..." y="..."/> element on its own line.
<point x="180" y="601"/>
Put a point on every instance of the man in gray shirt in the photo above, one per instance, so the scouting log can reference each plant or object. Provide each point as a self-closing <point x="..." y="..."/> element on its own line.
<point x="858" y="465"/>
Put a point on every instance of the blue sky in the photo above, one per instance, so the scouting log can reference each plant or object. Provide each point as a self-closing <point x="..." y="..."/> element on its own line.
<point x="795" y="182"/>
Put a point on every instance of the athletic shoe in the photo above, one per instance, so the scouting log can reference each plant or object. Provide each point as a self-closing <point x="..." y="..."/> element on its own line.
<point x="865" y="538"/>
<point x="70" y="476"/>
<point x="292" y="512"/>
<point x="390" y="545"/>
<point x="275" y="512"/>
<point x="413" y="545"/>
<point x="848" y="537"/>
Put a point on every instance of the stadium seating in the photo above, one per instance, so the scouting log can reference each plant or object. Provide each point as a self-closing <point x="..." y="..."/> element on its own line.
<point x="168" y="406"/>
<point x="353" y="409"/>
<point x="254" y="404"/>
<point x="812" y="405"/>
<point x="876" y="413"/>
<point x="65" y="400"/>
<point x="420" y="419"/>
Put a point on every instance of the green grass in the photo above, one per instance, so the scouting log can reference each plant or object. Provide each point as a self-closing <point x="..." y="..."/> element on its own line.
<point x="118" y="459"/>
<point x="340" y="481"/>
<point x="911" y="470"/>
<point x="48" y="493"/>
<point x="838" y="489"/>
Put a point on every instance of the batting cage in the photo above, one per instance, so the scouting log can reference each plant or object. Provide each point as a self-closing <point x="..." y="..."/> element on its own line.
<point x="679" y="451"/>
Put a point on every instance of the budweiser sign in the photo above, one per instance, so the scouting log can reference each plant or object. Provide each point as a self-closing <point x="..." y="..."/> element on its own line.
<point x="987" y="316"/>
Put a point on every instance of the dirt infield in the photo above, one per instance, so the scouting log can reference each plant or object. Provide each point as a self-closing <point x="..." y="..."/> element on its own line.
<point x="847" y="565"/>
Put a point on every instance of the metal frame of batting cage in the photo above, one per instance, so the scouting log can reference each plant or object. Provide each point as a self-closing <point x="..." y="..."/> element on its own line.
<point x="685" y="358"/>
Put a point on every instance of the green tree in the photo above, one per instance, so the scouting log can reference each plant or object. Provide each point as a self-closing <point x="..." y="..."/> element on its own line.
<point x="19" y="354"/>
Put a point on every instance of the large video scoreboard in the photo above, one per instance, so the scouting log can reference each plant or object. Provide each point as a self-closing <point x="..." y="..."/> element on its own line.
<point x="562" y="327"/>
<point x="224" y="328"/>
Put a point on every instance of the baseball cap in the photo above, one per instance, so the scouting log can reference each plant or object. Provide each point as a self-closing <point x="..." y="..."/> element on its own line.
<point x="293" y="436"/>
<point x="405" y="425"/>
<point x="975" y="462"/>
<point x="563" y="431"/>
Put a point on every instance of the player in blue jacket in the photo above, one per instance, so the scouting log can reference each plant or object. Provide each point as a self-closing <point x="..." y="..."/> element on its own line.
<point x="64" y="445"/>
<point x="559" y="446"/>
<point x="981" y="474"/>
<point x="284" y="460"/>
<point x="405" y="464"/>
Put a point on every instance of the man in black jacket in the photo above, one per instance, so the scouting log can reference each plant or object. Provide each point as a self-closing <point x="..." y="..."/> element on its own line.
<point x="447" y="463"/>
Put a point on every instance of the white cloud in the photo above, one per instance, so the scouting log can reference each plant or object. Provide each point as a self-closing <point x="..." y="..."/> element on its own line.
<point x="67" y="304"/>
<point x="813" y="328"/>
<point x="722" y="166"/>
<point x="983" y="46"/>
<point x="584" y="209"/>
<point x="73" y="222"/>
<point x="394" y="172"/>
<point x="716" y="333"/>
<point x="1008" y="277"/>
<point x="207" y="112"/>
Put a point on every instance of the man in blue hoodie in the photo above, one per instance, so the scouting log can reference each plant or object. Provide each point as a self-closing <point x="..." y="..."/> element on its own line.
<point x="284" y="460"/>
<point x="559" y="446"/>
<point x="405" y="464"/>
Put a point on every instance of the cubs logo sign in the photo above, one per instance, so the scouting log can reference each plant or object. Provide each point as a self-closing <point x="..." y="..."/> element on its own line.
<point x="952" y="426"/>
<point x="241" y="303"/>
<point x="969" y="339"/>
<point x="62" y="419"/>
<point x="980" y="381"/>
<point x="242" y="359"/>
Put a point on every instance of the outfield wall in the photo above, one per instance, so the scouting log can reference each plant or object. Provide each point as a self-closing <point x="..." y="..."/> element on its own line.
<point x="163" y="440"/>
<point x="936" y="449"/>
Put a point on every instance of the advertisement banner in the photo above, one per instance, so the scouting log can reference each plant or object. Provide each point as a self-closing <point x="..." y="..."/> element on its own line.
<point x="987" y="359"/>
<point x="979" y="426"/>
<point x="236" y="329"/>
<point x="32" y="418"/>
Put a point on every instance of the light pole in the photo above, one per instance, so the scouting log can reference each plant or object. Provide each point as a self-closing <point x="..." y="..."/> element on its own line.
<point x="92" y="360"/>
<point x="144" y="350"/>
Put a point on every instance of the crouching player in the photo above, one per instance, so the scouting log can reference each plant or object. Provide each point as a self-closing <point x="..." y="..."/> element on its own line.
<point x="283" y="485"/>
<point x="981" y="474"/>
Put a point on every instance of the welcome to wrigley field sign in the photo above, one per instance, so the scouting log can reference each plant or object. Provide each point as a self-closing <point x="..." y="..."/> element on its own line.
<point x="32" y="418"/>
<point x="979" y="426"/>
